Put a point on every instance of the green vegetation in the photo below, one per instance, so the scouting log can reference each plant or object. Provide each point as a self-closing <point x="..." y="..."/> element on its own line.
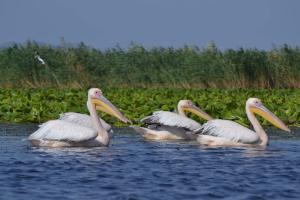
<point x="80" y="66"/>
<point x="39" y="105"/>
<point x="140" y="80"/>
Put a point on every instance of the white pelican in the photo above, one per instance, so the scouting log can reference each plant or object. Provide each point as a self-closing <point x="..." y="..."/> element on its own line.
<point x="60" y="133"/>
<point x="164" y="125"/>
<point x="228" y="133"/>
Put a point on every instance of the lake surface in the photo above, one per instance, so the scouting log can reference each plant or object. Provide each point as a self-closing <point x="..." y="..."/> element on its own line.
<point x="134" y="168"/>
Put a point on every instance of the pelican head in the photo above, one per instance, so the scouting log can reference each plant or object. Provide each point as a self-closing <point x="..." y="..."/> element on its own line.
<point x="188" y="105"/>
<point x="95" y="96"/>
<point x="255" y="105"/>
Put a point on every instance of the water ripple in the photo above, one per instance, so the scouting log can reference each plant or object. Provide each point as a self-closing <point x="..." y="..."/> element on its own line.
<point x="133" y="168"/>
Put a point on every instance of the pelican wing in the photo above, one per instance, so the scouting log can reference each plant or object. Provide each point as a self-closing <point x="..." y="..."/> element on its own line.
<point x="163" y="132"/>
<point x="229" y="130"/>
<point x="171" y="119"/>
<point x="82" y="119"/>
<point x="63" y="131"/>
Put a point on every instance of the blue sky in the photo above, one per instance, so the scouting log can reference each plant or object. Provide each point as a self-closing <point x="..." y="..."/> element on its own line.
<point x="106" y="23"/>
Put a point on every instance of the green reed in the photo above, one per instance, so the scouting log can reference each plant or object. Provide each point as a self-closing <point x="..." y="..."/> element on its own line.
<point x="80" y="66"/>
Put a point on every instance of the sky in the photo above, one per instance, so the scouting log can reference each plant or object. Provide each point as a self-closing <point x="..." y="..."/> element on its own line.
<point x="102" y="24"/>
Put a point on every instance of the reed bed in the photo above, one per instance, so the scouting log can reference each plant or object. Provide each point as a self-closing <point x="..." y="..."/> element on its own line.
<point x="81" y="66"/>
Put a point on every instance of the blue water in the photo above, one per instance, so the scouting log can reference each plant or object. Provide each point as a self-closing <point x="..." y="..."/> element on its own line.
<point x="134" y="168"/>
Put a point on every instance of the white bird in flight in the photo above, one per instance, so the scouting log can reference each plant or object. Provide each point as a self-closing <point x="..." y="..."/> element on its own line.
<point x="37" y="56"/>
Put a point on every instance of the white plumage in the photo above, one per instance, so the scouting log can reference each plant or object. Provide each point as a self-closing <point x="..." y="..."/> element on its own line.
<point x="78" y="130"/>
<point x="162" y="132"/>
<point x="229" y="130"/>
<point x="63" y="131"/>
<point x="165" y="125"/>
<point x="83" y="120"/>
<point x="229" y="133"/>
<point x="171" y="119"/>
<point x="40" y="59"/>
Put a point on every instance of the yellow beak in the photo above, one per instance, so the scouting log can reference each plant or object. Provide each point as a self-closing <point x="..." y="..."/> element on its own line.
<point x="268" y="115"/>
<point x="197" y="111"/>
<point x="106" y="106"/>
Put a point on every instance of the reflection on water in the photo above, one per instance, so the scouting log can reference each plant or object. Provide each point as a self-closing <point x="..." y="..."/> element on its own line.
<point x="134" y="168"/>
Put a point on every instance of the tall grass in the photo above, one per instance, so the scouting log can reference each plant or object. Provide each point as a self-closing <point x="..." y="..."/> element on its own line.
<point x="80" y="66"/>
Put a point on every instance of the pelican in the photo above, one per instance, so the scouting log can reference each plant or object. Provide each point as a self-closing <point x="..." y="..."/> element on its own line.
<point x="228" y="133"/>
<point x="164" y="125"/>
<point x="61" y="133"/>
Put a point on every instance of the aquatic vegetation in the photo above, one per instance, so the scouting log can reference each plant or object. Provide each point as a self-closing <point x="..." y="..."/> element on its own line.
<point x="39" y="105"/>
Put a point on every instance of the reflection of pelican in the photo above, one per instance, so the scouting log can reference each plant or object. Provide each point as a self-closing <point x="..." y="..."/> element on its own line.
<point x="164" y="125"/>
<point x="228" y="133"/>
<point x="60" y="133"/>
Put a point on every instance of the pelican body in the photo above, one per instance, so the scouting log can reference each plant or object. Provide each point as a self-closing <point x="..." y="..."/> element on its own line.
<point x="165" y="125"/>
<point x="62" y="133"/>
<point x="84" y="120"/>
<point x="228" y="133"/>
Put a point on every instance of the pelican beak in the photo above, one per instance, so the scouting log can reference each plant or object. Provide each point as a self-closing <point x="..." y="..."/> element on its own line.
<point x="268" y="115"/>
<point x="106" y="106"/>
<point x="197" y="111"/>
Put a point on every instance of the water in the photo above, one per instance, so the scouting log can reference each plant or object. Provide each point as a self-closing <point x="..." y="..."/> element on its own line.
<point x="134" y="168"/>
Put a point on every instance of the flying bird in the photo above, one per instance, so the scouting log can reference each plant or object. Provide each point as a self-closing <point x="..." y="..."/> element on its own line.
<point x="37" y="56"/>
